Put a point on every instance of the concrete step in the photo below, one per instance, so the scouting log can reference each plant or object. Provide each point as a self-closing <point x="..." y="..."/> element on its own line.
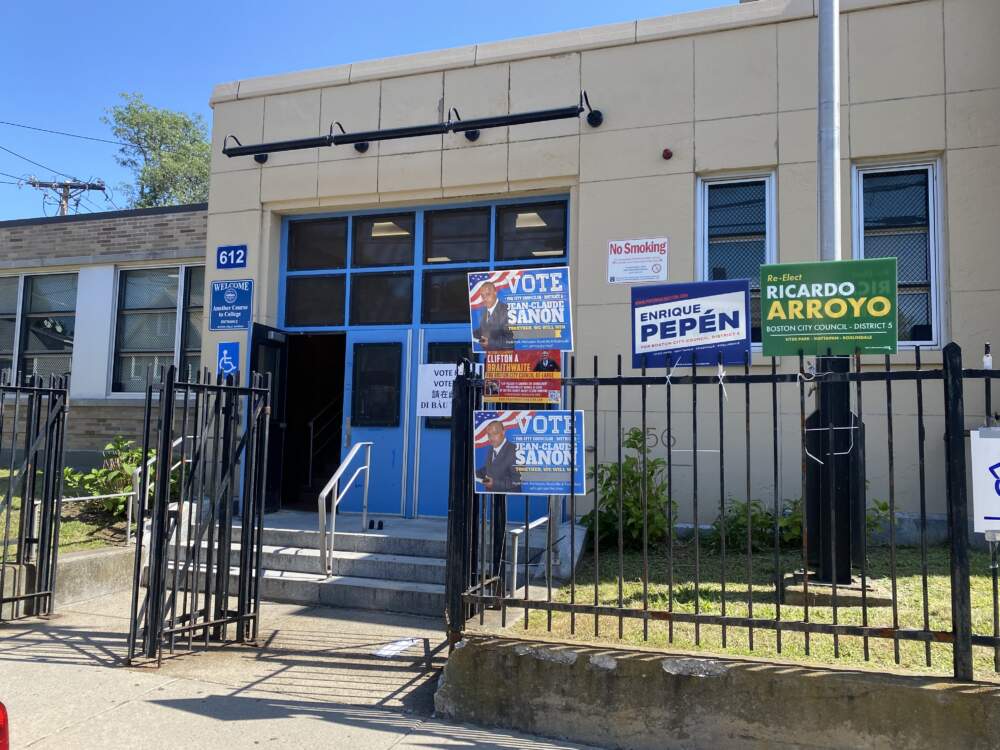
<point x="372" y="542"/>
<point x="346" y="563"/>
<point x="388" y="567"/>
<point x="310" y="589"/>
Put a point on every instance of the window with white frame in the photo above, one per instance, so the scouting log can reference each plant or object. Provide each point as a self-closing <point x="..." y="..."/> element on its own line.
<point x="158" y="324"/>
<point x="894" y="217"/>
<point x="737" y="233"/>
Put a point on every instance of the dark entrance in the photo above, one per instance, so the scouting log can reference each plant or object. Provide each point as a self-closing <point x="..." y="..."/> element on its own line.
<point x="314" y="410"/>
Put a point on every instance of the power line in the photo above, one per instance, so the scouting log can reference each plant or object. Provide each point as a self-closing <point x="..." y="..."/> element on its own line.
<point x="37" y="164"/>
<point x="13" y="176"/>
<point x="62" y="132"/>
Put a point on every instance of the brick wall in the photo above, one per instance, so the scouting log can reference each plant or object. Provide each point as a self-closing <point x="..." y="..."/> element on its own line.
<point x="159" y="234"/>
<point x="146" y="234"/>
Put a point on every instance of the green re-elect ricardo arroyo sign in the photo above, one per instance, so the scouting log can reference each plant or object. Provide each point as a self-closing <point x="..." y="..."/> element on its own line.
<point x="841" y="306"/>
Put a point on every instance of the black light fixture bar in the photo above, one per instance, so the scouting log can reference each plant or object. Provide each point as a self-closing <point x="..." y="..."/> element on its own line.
<point x="391" y="134"/>
<point x="499" y="121"/>
<point x="361" y="139"/>
<point x="266" y="148"/>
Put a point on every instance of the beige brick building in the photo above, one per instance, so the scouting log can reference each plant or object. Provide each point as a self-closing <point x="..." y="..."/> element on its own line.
<point x="75" y="272"/>
<point x="731" y="93"/>
<point x="358" y="256"/>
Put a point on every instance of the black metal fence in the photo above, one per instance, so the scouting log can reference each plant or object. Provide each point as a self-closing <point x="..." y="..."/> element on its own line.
<point x="32" y="428"/>
<point x="201" y="504"/>
<point x="754" y="573"/>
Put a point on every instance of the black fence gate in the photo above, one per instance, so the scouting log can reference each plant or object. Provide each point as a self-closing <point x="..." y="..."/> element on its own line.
<point x="32" y="427"/>
<point x="723" y="573"/>
<point x="200" y="513"/>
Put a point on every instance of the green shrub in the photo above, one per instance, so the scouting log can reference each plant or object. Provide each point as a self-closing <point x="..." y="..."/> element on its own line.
<point x="761" y="519"/>
<point x="606" y="480"/>
<point x="761" y="523"/>
<point x="113" y="476"/>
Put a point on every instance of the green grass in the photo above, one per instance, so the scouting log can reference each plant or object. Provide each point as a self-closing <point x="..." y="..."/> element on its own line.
<point x="850" y="651"/>
<point x="83" y="525"/>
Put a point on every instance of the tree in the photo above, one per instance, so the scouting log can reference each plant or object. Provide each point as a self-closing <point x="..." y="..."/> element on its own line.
<point x="168" y="153"/>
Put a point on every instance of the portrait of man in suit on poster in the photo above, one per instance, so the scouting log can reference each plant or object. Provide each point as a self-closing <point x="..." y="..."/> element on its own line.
<point x="546" y="363"/>
<point x="493" y="331"/>
<point x="499" y="473"/>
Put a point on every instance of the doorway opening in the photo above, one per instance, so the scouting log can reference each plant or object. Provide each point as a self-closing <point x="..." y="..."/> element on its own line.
<point x="315" y="410"/>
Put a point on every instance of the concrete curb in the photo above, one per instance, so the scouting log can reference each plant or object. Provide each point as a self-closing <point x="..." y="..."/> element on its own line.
<point x="91" y="573"/>
<point x="643" y="700"/>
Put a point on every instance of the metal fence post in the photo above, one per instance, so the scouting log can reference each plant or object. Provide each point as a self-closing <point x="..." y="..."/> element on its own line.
<point x="159" y="536"/>
<point x="459" y="494"/>
<point x="958" y="513"/>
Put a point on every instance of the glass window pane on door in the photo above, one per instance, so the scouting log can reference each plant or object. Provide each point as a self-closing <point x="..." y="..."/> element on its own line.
<point x="48" y="325"/>
<point x="896" y="209"/>
<point x="316" y="245"/>
<point x="376" y="383"/>
<point x="383" y="240"/>
<point x="448" y="353"/>
<point x="737" y="237"/>
<point x="445" y="296"/>
<point x="314" y="301"/>
<point x="461" y="236"/>
<point x="531" y="231"/>
<point x="381" y="298"/>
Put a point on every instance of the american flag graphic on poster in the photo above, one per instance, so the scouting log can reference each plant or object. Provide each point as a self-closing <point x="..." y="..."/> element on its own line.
<point x="508" y="419"/>
<point x="499" y="279"/>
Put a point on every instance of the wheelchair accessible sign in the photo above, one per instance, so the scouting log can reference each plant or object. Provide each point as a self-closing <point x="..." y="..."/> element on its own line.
<point x="231" y="305"/>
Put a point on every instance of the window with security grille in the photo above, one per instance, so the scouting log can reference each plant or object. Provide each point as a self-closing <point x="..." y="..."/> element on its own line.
<point x="148" y="337"/>
<point x="8" y="322"/>
<point x="895" y="222"/>
<point x="48" y="324"/>
<point x="736" y="235"/>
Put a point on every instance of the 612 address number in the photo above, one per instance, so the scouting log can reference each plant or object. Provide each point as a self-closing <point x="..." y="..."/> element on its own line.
<point x="231" y="256"/>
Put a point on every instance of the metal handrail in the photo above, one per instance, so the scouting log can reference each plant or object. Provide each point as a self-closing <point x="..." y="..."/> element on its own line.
<point x="143" y="492"/>
<point x="334" y="485"/>
<point x="514" y="534"/>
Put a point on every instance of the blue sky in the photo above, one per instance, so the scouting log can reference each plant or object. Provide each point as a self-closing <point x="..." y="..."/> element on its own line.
<point x="64" y="63"/>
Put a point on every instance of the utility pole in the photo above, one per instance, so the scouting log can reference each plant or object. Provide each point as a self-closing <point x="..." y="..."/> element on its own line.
<point x="830" y="490"/>
<point x="828" y="137"/>
<point x="66" y="190"/>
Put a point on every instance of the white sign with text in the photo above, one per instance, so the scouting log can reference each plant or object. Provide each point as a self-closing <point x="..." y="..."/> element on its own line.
<point x="637" y="261"/>
<point x="986" y="478"/>
<point x="434" y="384"/>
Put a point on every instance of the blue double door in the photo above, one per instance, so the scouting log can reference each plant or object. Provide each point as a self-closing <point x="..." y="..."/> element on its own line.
<point x="410" y="454"/>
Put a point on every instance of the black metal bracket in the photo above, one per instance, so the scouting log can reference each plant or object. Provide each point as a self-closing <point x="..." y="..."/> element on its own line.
<point x="470" y="128"/>
<point x="470" y="135"/>
<point x="360" y="147"/>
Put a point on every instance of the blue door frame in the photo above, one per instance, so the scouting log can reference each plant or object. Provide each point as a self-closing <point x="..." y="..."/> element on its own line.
<point x="390" y="455"/>
<point x="413" y="456"/>
<point x="432" y="446"/>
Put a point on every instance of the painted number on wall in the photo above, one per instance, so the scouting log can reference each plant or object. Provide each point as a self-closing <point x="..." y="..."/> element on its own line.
<point x="231" y="256"/>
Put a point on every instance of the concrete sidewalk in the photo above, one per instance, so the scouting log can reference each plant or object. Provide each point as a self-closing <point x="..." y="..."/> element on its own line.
<point x="315" y="681"/>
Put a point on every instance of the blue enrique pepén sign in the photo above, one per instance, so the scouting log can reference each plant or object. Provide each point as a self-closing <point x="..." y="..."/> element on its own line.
<point x="691" y="323"/>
